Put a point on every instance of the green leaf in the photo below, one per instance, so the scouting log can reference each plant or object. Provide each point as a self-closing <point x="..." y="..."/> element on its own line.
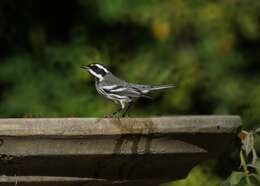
<point x="248" y="143"/>
<point x="226" y="183"/>
<point x="236" y="177"/>
<point x="257" y="165"/>
<point x="255" y="157"/>
<point x="242" y="182"/>
<point x="257" y="131"/>
<point x="254" y="179"/>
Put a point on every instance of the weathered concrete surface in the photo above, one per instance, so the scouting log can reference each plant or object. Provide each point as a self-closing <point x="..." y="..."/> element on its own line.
<point x="82" y="127"/>
<point x="47" y="181"/>
<point x="160" y="148"/>
<point x="68" y="181"/>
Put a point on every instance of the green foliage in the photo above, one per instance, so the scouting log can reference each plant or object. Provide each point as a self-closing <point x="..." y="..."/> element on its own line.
<point x="209" y="49"/>
<point x="249" y="163"/>
<point x="199" y="176"/>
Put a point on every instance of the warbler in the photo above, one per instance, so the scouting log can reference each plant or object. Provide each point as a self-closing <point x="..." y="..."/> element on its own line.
<point x="118" y="90"/>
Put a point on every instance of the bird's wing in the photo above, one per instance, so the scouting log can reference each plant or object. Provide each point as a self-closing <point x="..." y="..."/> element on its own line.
<point x="124" y="91"/>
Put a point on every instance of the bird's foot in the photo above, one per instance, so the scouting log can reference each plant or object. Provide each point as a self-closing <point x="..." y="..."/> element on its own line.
<point x="118" y="114"/>
<point x="125" y="115"/>
<point x="113" y="115"/>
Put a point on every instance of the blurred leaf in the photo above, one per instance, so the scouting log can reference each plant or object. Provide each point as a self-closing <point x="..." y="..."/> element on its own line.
<point x="226" y="183"/>
<point x="248" y="143"/>
<point x="254" y="179"/>
<point x="236" y="178"/>
<point x="161" y="29"/>
<point x="243" y="182"/>
<point x="257" y="130"/>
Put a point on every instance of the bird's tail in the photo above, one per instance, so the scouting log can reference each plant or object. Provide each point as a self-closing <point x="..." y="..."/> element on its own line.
<point x="148" y="88"/>
<point x="159" y="87"/>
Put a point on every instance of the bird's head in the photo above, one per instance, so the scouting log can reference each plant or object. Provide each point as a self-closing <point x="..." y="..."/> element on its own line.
<point x="97" y="70"/>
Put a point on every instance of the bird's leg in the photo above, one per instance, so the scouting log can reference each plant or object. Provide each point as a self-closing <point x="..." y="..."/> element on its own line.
<point x="122" y="111"/>
<point x="114" y="114"/>
<point x="126" y="109"/>
<point x="117" y="112"/>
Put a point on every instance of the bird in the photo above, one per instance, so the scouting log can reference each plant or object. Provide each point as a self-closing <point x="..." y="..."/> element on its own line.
<point x="119" y="91"/>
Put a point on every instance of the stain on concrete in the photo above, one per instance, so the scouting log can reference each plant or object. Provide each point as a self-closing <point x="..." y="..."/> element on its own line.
<point x="135" y="142"/>
<point x="147" y="147"/>
<point x="6" y="157"/>
<point x="118" y="145"/>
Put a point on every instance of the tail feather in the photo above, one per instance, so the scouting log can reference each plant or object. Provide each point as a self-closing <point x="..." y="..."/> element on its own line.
<point x="148" y="88"/>
<point x="159" y="87"/>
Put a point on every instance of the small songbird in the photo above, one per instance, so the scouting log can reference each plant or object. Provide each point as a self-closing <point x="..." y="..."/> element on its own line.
<point x="118" y="90"/>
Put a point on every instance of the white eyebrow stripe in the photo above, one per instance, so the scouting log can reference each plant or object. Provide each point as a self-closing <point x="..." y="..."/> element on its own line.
<point x="100" y="66"/>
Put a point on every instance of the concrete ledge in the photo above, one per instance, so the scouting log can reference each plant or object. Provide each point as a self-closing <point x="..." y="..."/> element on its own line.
<point x="46" y="181"/>
<point x="158" y="148"/>
<point x="81" y="127"/>
<point x="68" y="181"/>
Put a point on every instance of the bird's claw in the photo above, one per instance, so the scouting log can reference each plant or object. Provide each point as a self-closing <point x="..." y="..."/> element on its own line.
<point x="118" y="114"/>
<point x="113" y="115"/>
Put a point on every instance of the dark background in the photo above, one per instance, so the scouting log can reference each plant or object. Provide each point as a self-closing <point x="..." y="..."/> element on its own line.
<point x="209" y="49"/>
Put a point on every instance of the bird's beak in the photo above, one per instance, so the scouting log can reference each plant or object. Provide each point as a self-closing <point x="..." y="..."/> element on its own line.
<point x="84" y="67"/>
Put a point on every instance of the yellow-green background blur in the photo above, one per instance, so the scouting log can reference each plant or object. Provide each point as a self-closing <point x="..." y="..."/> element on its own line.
<point x="209" y="49"/>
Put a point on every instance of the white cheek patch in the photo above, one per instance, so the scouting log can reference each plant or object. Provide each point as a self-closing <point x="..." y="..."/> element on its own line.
<point x="96" y="75"/>
<point x="100" y="66"/>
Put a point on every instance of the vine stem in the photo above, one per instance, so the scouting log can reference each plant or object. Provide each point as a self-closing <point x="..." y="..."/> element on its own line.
<point x="244" y="166"/>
